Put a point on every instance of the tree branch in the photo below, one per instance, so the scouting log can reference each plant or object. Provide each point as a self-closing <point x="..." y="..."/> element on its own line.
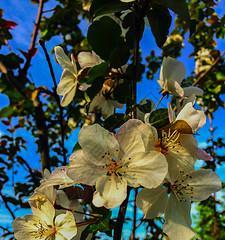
<point x="31" y="49"/>
<point x="42" y="43"/>
<point x="7" y="205"/>
<point x="202" y="76"/>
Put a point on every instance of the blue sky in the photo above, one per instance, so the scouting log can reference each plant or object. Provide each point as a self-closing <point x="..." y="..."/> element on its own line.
<point x="25" y="15"/>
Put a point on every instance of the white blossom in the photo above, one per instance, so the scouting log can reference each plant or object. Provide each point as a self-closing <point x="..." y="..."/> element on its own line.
<point x="111" y="163"/>
<point x="45" y="223"/>
<point x="174" y="200"/>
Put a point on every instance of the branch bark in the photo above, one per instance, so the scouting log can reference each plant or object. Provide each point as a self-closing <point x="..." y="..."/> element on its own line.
<point x="31" y="49"/>
<point x="42" y="43"/>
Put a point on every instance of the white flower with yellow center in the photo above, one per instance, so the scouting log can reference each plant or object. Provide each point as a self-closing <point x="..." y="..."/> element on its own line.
<point x="174" y="200"/>
<point x="44" y="224"/>
<point x="69" y="81"/>
<point x="177" y="142"/>
<point x="172" y="73"/>
<point x="112" y="162"/>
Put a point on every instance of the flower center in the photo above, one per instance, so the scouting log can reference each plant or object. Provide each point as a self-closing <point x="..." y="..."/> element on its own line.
<point x="43" y="231"/>
<point x="112" y="165"/>
<point x="181" y="189"/>
<point x="169" y="142"/>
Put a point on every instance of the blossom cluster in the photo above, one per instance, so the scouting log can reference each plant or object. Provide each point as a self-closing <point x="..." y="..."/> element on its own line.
<point x="159" y="162"/>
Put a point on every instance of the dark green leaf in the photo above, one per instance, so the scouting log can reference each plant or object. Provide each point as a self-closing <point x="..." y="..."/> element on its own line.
<point x="101" y="7"/>
<point x="180" y="7"/>
<point x="159" y="118"/>
<point x="115" y="121"/>
<point x="102" y="225"/>
<point x="104" y="35"/>
<point x="96" y="72"/>
<point x="6" y="112"/>
<point x="160" y="20"/>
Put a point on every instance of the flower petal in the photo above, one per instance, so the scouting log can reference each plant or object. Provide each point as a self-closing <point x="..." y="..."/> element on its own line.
<point x="100" y="103"/>
<point x="66" y="225"/>
<point x="85" y="169"/>
<point x="98" y="143"/>
<point x="195" y="118"/>
<point x="178" y="220"/>
<point x="135" y="136"/>
<point x="203" y="155"/>
<point x="88" y="59"/>
<point x="111" y="191"/>
<point x="147" y="169"/>
<point x="59" y="177"/>
<point x="152" y="201"/>
<point x="68" y="97"/>
<point x="64" y="60"/>
<point x="171" y="71"/>
<point x="66" y="83"/>
<point x="189" y="91"/>
<point x="28" y="228"/>
<point x="204" y="183"/>
<point x="42" y="208"/>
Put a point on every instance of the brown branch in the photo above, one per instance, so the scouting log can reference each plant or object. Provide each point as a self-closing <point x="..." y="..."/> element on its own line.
<point x="120" y="218"/>
<point x="42" y="43"/>
<point x="43" y="136"/>
<point x="202" y="76"/>
<point x="31" y="49"/>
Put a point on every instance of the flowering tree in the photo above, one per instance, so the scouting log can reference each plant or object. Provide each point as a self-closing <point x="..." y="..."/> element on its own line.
<point x="129" y="153"/>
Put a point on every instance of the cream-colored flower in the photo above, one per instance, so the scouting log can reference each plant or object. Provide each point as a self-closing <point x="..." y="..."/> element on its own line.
<point x="111" y="163"/>
<point x="189" y="121"/>
<point x="44" y="224"/>
<point x="176" y="141"/>
<point x="172" y="73"/>
<point x="174" y="200"/>
<point x="104" y="101"/>
<point x="69" y="81"/>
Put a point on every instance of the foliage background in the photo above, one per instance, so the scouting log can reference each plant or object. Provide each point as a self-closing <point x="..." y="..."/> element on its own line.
<point x="32" y="123"/>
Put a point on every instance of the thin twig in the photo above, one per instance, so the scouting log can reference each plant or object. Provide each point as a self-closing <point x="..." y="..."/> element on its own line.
<point x="42" y="43"/>
<point x="134" y="216"/>
<point x="7" y="205"/>
<point x="201" y="77"/>
<point x="33" y="39"/>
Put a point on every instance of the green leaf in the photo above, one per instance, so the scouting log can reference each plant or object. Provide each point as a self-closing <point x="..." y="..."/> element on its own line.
<point x="160" y="20"/>
<point x="101" y="7"/>
<point x="102" y="225"/>
<point x="145" y="106"/>
<point x="180" y="7"/>
<point x="76" y="147"/>
<point x="97" y="71"/>
<point x="6" y="112"/>
<point x="115" y="121"/>
<point x="104" y="35"/>
<point x="129" y="23"/>
<point x="159" y="118"/>
<point x="119" y="56"/>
